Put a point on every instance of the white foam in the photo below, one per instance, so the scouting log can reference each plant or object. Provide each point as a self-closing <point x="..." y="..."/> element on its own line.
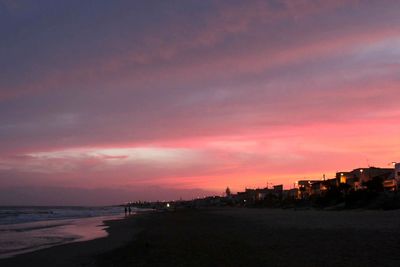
<point x="26" y="237"/>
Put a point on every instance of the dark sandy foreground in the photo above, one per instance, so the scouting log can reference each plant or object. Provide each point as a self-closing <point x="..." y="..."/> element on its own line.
<point x="237" y="237"/>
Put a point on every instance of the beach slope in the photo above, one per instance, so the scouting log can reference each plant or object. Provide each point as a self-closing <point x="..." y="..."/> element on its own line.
<point x="263" y="237"/>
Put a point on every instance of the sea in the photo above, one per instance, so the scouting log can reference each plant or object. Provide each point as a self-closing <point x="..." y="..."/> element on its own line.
<point x="26" y="229"/>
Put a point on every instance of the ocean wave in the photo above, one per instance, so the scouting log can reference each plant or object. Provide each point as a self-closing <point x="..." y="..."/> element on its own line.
<point x="25" y="237"/>
<point x="15" y="215"/>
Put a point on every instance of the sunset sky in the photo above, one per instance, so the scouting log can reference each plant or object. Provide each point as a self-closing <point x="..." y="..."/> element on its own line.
<point x="103" y="102"/>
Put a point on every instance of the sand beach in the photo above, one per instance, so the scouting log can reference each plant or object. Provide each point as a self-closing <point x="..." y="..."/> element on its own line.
<point x="235" y="237"/>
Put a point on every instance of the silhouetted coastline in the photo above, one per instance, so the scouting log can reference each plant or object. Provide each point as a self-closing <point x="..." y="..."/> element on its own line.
<point x="361" y="188"/>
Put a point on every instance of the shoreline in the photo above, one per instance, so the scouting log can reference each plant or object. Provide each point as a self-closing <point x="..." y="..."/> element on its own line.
<point x="80" y="252"/>
<point x="28" y="237"/>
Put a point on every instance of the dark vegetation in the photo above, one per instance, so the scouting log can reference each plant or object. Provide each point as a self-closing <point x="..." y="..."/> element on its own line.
<point x="338" y="197"/>
<point x="372" y="197"/>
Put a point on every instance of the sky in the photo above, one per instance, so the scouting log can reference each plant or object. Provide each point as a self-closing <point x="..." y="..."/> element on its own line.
<point x="103" y="102"/>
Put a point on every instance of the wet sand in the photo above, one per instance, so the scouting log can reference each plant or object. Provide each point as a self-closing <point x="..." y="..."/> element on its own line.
<point x="83" y="253"/>
<point x="22" y="238"/>
<point x="236" y="237"/>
